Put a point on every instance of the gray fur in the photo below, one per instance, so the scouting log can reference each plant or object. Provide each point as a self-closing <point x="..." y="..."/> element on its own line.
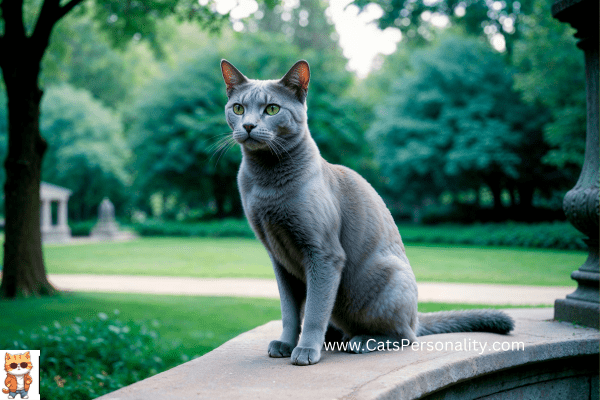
<point x="336" y="251"/>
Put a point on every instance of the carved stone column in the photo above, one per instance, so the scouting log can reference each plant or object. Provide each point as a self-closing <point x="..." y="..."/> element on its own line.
<point x="581" y="203"/>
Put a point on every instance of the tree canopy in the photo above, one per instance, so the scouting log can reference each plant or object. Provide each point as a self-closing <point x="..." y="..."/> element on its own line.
<point x="455" y="123"/>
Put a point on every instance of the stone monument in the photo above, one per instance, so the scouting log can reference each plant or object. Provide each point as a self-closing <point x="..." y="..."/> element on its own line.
<point x="107" y="228"/>
<point x="581" y="203"/>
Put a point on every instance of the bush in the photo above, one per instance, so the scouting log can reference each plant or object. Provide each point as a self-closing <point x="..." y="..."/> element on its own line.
<point x="552" y="235"/>
<point x="81" y="228"/>
<point x="216" y="228"/>
<point x="92" y="357"/>
<point x="460" y="213"/>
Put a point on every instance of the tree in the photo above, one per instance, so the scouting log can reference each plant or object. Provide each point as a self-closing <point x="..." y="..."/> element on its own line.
<point x="419" y="20"/>
<point x="81" y="54"/>
<point x="178" y="134"/>
<point x="455" y="124"/>
<point x="87" y="151"/>
<point x="27" y="26"/>
<point x="551" y="74"/>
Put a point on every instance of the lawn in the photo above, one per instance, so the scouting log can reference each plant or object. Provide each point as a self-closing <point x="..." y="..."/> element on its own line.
<point x="192" y="325"/>
<point x="229" y="257"/>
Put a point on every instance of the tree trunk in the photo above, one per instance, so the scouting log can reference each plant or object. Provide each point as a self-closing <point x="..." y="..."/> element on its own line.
<point x="526" y="197"/>
<point x="23" y="272"/>
<point x="496" y="190"/>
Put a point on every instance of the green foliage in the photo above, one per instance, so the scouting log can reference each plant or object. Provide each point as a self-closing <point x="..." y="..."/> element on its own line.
<point x="220" y="228"/>
<point x="89" y="358"/>
<point x="3" y="139"/>
<point x="124" y="21"/>
<point x="87" y="152"/>
<point x="80" y="54"/>
<point x="485" y="18"/>
<point x="551" y="73"/>
<point x="455" y="124"/>
<point x="555" y="235"/>
<point x="177" y="126"/>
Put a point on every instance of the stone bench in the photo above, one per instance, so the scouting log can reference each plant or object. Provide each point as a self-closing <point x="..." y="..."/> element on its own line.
<point x="559" y="361"/>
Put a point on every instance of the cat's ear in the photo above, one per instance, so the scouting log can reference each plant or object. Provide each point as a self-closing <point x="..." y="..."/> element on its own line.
<point x="232" y="76"/>
<point x="297" y="79"/>
<point x="7" y="356"/>
<point x="27" y="355"/>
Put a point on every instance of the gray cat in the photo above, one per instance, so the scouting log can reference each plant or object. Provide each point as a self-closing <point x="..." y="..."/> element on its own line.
<point x="336" y="251"/>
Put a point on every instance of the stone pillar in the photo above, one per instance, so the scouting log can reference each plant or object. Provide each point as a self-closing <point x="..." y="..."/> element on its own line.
<point x="62" y="214"/>
<point x="581" y="203"/>
<point x="46" y="216"/>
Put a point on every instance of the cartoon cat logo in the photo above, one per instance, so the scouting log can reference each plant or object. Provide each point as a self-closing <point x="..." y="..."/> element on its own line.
<point x="17" y="367"/>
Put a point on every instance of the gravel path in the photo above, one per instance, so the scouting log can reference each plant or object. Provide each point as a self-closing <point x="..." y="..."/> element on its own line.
<point x="267" y="288"/>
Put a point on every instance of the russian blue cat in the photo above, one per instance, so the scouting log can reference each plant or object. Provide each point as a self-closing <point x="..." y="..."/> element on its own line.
<point x="338" y="258"/>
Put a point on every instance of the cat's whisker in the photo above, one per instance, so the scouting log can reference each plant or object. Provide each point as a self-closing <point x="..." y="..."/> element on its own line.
<point x="277" y="141"/>
<point x="274" y="151"/>
<point x="227" y="146"/>
<point x="223" y="145"/>
<point x="218" y="148"/>
<point x="220" y="141"/>
<point x="210" y="139"/>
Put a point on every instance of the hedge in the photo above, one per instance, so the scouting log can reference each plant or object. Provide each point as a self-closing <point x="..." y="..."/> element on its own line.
<point x="552" y="235"/>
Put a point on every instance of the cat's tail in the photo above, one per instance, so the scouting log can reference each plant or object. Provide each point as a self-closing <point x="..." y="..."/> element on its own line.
<point x="494" y="321"/>
<point x="4" y="391"/>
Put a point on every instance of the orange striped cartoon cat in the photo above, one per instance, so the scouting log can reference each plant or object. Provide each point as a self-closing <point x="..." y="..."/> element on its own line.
<point x="17" y="367"/>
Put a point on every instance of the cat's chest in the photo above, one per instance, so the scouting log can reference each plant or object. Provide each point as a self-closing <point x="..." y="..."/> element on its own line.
<point x="277" y="221"/>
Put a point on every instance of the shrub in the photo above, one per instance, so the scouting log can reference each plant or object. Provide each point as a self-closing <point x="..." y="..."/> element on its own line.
<point x="81" y="228"/>
<point x="216" y="228"/>
<point x="92" y="357"/>
<point x="553" y="235"/>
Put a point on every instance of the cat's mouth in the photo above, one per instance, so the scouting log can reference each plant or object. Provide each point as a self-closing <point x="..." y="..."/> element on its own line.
<point x="253" y="144"/>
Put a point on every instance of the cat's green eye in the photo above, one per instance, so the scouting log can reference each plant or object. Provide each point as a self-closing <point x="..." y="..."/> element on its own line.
<point x="238" y="109"/>
<point x="272" y="109"/>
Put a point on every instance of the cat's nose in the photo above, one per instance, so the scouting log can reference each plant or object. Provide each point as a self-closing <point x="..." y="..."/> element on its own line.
<point x="248" y="127"/>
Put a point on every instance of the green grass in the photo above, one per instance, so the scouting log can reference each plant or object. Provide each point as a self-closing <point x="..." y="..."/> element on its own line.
<point x="511" y="266"/>
<point x="196" y="257"/>
<point x="193" y="325"/>
<point x="228" y="257"/>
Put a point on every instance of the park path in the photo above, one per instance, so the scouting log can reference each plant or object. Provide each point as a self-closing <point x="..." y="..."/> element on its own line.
<point x="267" y="288"/>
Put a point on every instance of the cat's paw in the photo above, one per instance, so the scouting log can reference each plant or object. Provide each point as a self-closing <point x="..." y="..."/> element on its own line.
<point x="361" y="344"/>
<point x="278" y="349"/>
<point x="305" y="355"/>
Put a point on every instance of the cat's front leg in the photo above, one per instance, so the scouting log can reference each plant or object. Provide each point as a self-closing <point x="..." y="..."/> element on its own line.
<point x="291" y="293"/>
<point x="322" y="280"/>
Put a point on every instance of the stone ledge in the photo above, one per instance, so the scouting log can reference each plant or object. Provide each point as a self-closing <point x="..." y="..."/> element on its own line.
<point x="241" y="368"/>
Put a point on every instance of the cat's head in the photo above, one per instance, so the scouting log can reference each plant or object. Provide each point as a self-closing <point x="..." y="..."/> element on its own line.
<point x="18" y="364"/>
<point x="268" y="114"/>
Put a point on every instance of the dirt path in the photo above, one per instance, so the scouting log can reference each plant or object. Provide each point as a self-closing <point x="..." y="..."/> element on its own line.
<point x="267" y="288"/>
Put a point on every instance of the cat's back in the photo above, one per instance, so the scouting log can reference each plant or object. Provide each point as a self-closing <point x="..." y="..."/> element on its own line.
<point x="367" y="224"/>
